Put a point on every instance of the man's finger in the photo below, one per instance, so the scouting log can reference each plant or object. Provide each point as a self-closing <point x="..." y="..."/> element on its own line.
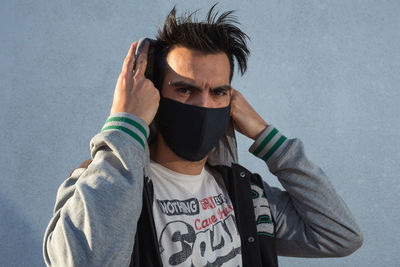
<point x="141" y="62"/>
<point x="130" y="59"/>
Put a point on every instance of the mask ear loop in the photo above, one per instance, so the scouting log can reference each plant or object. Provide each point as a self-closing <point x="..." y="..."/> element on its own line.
<point x="230" y="98"/>
<point x="154" y="128"/>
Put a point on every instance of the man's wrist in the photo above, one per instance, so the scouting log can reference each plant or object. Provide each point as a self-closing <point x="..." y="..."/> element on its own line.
<point x="262" y="126"/>
<point x="268" y="142"/>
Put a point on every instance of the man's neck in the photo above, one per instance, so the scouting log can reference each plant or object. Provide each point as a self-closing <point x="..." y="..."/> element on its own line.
<point x="163" y="155"/>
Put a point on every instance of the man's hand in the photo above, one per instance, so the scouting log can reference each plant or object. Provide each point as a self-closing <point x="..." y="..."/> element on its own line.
<point x="247" y="121"/>
<point x="134" y="93"/>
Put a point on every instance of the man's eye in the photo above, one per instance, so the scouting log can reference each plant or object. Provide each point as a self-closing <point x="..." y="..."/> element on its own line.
<point x="219" y="92"/>
<point x="183" y="90"/>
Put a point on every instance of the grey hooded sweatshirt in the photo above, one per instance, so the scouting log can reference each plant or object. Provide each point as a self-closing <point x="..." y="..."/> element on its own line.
<point x="98" y="207"/>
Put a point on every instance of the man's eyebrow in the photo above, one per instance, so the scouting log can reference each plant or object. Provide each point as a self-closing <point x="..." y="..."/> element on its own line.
<point x="225" y="87"/>
<point x="184" y="84"/>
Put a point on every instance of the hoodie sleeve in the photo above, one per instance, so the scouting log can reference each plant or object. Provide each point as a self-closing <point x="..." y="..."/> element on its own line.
<point x="97" y="208"/>
<point x="311" y="219"/>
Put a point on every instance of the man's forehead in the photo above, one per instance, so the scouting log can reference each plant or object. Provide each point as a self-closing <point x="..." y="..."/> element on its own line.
<point x="198" y="68"/>
<point x="188" y="56"/>
<point x="193" y="51"/>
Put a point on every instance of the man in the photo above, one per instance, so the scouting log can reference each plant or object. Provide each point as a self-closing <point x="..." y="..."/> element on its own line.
<point x="181" y="198"/>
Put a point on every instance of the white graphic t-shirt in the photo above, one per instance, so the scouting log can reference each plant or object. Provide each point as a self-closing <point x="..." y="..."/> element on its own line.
<point x="194" y="219"/>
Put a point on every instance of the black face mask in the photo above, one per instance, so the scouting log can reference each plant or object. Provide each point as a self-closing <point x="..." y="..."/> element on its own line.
<point x="191" y="132"/>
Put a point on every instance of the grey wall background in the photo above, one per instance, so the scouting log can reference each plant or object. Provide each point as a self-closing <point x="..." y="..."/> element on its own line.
<point x="324" y="71"/>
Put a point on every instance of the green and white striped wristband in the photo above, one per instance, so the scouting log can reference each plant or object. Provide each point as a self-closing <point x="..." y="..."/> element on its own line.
<point x="269" y="141"/>
<point x="129" y="124"/>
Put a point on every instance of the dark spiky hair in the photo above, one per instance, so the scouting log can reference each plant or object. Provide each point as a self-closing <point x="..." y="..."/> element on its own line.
<point x="213" y="35"/>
